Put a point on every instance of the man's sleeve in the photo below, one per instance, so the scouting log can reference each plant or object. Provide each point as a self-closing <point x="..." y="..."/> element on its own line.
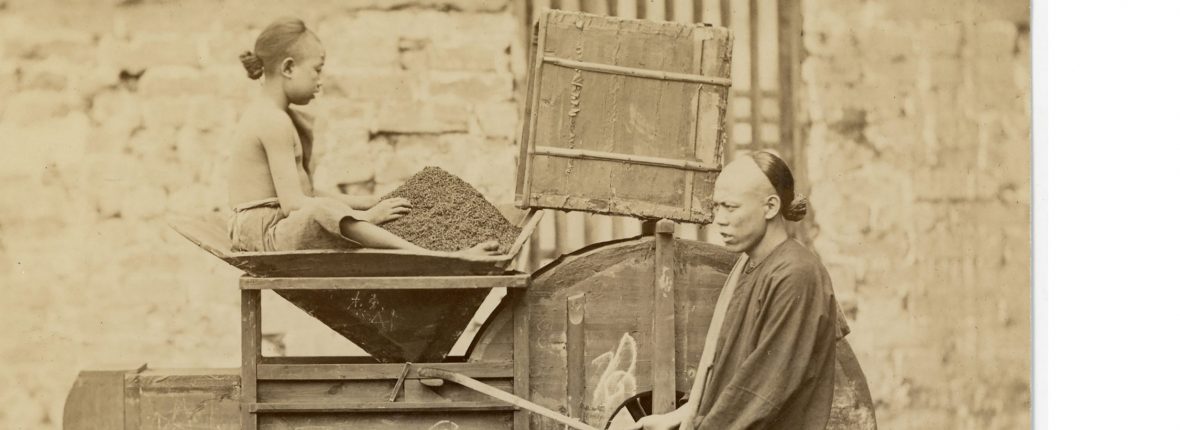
<point x="769" y="376"/>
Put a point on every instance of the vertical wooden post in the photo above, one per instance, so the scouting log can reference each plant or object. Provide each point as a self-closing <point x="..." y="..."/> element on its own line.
<point x="131" y="394"/>
<point x="755" y="81"/>
<point x="663" y="362"/>
<point x="251" y="353"/>
<point x="575" y="340"/>
<point x="793" y="138"/>
<point x="520" y="354"/>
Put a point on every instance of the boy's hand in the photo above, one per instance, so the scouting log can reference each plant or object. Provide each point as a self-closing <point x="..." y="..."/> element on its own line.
<point x="387" y="210"/>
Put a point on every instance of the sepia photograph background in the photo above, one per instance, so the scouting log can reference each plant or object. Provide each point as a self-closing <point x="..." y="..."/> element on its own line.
<point x="906" y="123"/>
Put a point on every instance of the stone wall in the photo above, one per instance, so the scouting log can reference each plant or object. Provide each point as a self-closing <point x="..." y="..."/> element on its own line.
<point x="114" y="114"/>
<point x="917" y="127"/>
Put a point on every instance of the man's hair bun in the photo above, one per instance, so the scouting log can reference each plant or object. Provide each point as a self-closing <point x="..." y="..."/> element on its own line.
<point x="797" y="211"/>
<point x="252" y="63"/>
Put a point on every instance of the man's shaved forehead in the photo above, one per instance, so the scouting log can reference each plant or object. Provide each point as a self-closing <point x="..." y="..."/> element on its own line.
<point x="743" y="174"/>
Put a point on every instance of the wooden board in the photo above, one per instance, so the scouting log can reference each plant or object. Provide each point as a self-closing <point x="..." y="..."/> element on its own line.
<point x="183" y="399"/>
<point x="153" y="399"/>
<point x="213" y="237"/>
<point x="613" y="281"/>
<point x="624" y="117"/>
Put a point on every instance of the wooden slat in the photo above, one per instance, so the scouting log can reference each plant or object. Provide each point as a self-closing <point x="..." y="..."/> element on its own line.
<point x="654" y="10"/>
<point x="725" y="12"/>
<point x="682" y="11"/>
<point x="575" y="332"/>
<point x="387" y="421"/>
<point x="628" y="9"/>
<point x="755" y="82"/>
<point x="581" y="154"/>
<point x="520" y="353"/>
<point x="663" y="318"/>
<point x="383" y="371"/>
<point x="361" y="391"/>
<point x="598" y="7"/>
<point x="383" y="283"/>
<point x="251" y="352"/>
<point x="456" y="407"/>
<point x="641" y="209"/>
<point x="131" y="398"/>
<point x="343" y="359"/>
<point x="97" y="400"/>
<point x="525" y="174"/>
<point x="527" y="229"/>
<point x="637" y="72"/>
<point x="501" y="395"/>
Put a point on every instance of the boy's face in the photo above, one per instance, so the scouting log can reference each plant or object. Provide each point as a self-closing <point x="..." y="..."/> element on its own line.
<point x="303" y="80"/>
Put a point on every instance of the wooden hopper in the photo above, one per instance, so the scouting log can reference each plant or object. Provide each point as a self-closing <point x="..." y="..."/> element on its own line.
<point x="391" y="325"/>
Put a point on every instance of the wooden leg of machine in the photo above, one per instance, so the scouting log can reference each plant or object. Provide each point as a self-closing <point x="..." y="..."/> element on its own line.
<point x="664" y="321"/>
<point x="520" y="355"/>
<point x="251" y="353"/>
<point x="575" y="335"/>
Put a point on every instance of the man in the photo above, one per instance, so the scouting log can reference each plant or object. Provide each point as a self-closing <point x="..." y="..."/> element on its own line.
<point x="774" y="360"/>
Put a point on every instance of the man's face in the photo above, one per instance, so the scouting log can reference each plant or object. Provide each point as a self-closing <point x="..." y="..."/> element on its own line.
<point x="740" y="205"/>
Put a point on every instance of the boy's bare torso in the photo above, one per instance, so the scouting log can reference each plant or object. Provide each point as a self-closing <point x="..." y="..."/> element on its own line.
<point x="249" y="169"/>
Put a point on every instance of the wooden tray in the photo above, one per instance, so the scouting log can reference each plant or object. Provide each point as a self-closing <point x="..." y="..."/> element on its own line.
<point x="624" y="117"/>
<point x="213" y="237"/>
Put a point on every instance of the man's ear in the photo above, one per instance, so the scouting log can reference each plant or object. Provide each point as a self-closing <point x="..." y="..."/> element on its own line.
<point x="287" y="67"/>
<point x="773" y="205"/>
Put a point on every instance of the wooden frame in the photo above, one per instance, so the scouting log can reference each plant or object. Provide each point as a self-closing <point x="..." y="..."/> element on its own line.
<point x="611" y="149"/>
<point x="332" y="263"/>
<point x="272" y="385"/>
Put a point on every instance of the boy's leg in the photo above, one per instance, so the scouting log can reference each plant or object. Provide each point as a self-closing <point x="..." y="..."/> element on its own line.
<point x="330" y="224"/>
<point x="372" y="236"/>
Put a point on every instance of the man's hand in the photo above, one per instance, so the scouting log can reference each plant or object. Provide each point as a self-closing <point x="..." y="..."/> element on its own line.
<point x="387" y="210"/>
<point x="666" y="421"/>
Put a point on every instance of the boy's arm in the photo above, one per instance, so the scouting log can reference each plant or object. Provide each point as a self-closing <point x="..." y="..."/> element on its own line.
<point x="279" y="140"/>
<point x="359" y="203"/>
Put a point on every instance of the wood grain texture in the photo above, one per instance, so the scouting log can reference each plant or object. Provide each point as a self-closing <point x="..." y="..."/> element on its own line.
<point x="95" y="401"/>
<point x="387" y="283"/>
<point x="575" y="334"/>
<point x="614" y="278"/>
<point x="251" y="353"/>
<point x="166" y="399"/>
<point x="389" y="420"/>
<point x="312" y="372"/>
<point x="629" y="88"/>
<point x="393" y="325"/>
<point x="663" y="320"/>
<point x="521" y="354"/>
<point x="214" y="239"/>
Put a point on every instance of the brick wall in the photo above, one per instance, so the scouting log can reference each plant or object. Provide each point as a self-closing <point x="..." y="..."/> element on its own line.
<point x="917" y="128"/>
<point x="114" y="114"/>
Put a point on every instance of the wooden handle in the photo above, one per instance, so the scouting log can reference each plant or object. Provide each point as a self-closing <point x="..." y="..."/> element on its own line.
<point x="501" y="395"/>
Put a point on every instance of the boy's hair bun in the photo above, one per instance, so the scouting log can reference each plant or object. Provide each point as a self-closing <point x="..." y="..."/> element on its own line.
<point x="252" y="63"/>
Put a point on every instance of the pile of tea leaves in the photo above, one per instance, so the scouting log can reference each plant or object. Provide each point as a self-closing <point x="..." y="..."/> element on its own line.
<point x="448" y="214"/>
